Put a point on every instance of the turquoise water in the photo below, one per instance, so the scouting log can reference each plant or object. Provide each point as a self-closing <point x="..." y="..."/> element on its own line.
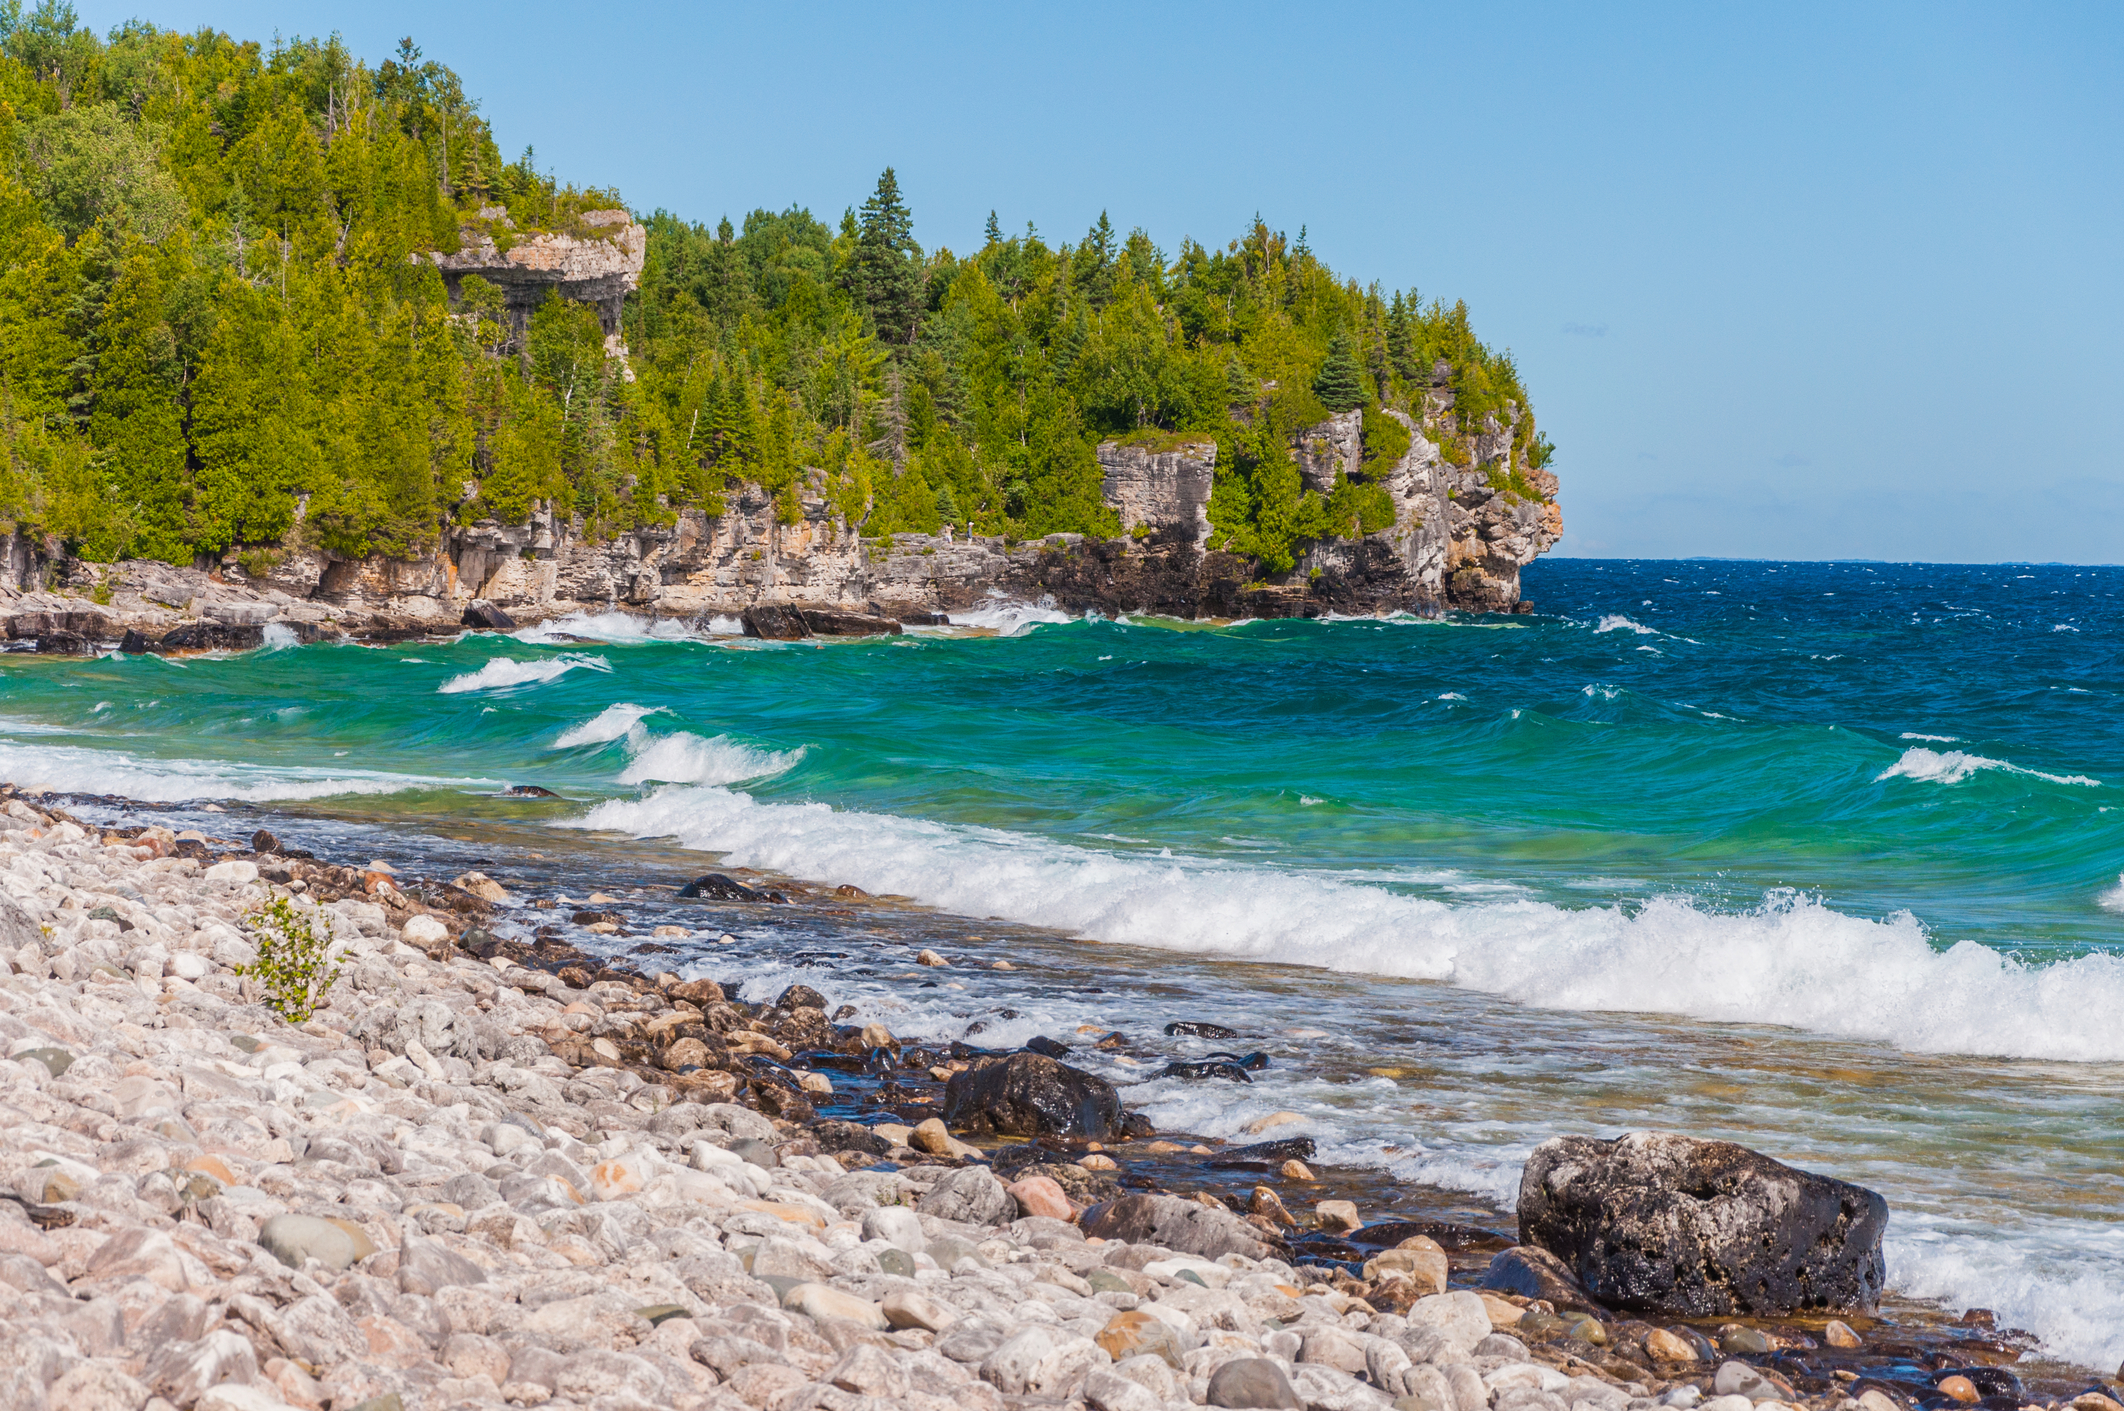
<point x="1818" y="834"/>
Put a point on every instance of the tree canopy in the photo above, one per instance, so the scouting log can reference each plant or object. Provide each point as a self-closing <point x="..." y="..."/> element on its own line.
<point x="217" y="333"/>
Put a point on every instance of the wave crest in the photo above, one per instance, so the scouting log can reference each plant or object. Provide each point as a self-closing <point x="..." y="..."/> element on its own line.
<point x="1953" y="766"/>
<point x="507" y="671"/>
<point x="611" y="723"/>
<point x="1791" y="961"/>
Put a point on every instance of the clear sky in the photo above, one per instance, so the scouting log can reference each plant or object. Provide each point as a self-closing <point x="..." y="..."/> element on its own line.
<point x="1785" y="280"/>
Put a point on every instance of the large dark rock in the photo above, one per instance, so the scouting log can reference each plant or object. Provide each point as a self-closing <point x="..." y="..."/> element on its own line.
<point x="214" y="637"/>
<point x="1655" y="1222"/>
<point x="1176" y="1224"/>
<point x="485" y="616"/>
<point x="1031" y="1095"/>
<point x="774" y="622"/>
<point x="830" y="622"/>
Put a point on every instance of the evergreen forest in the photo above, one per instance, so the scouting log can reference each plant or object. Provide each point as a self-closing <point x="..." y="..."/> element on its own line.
<point x="217" y="334"/>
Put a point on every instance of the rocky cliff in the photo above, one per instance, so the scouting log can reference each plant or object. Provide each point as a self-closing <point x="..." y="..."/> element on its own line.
<point x="1460" y="535"/>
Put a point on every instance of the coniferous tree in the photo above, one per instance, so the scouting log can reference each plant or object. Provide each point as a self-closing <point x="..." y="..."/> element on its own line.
<point x="887" y="271"/>
<point x="1340" y="383"/>
<point x="994" y="231"/>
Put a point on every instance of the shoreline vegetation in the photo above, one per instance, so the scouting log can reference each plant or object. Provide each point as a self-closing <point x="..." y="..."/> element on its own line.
<point x="269" y="305"/>
<point x="508" y="1159"/>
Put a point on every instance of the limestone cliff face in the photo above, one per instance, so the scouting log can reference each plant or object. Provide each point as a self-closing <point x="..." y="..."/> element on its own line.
<point x="600" y="267"/>
<point x="1460" y="535"/>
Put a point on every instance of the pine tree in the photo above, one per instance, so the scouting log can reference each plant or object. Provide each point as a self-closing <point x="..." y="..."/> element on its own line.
<point x="138" y="421"/>
<point x="1238" y="382"/>
<point x="887" y="268"/>
<point x="1340" y="385"/>
<point x="994" y="232"/>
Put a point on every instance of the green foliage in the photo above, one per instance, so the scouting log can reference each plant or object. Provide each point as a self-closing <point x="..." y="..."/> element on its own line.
<point x="295" y="964"/>
<point x="1340" y="382"/>
<point x="219" y="336"/>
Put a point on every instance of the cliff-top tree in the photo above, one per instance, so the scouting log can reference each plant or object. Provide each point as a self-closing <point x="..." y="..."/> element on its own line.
<point x="888" y="264"/>
<point x="1340" y="384"/>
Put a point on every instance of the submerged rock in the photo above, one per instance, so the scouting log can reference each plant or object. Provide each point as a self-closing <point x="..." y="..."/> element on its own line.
<point x="1653" y="1221"/>
<point x="1032" y="1095"/>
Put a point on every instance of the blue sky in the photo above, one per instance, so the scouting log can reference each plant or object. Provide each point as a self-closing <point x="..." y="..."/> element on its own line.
<point x="1794" y="281"/>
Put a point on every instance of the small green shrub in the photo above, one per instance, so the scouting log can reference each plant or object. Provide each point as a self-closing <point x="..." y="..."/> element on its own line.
<point x="294" y="963"/>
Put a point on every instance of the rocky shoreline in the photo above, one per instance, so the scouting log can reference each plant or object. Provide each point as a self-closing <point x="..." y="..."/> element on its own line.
<point x="499" y="1168"/>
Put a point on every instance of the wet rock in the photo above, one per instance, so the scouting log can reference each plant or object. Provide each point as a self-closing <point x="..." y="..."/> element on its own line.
<point x="528" y="791"/>
<point x="829" y="622"/>
<point x="1181" y="1225"/>
<point x="1031" y="1095"/>
<point x="1658" y="1222"/>
<point x="1339" y="1215"/>
<point x="714" y="886"/>
<point x="774" y="623"/>
<point x="1533" y="1272"/>
<point x="484" y="616"/>
<point x="1663" y="1346"/>
<point x="1196" y="1072"/>
<point x="1196" y="1028"/>
<point x="1252" y="1382"/>
<point x="1839" y="1334"/>
<point x="800" y="997"/>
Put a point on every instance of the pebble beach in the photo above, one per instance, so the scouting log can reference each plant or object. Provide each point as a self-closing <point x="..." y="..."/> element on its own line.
<point x="474" y="1181"/>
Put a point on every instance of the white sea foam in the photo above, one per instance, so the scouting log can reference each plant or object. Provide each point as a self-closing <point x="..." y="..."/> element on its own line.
<point x="618" y="628"/>
<point x="1791" y="961"/>
<point x="1010" y="619"/>
<point x="2113" y="899"/>
<point x="611" y="723"/>
<point x="685" y="758"/>
<point x="2062" y="1284"/>
<point x="76" y="769"/>
<point x="279" y="637"/>
<point x="1616" y="622"/>
<point x="506" y="671"/>
<point x="1953" y="766"/>
<point x="1935" y="739"/>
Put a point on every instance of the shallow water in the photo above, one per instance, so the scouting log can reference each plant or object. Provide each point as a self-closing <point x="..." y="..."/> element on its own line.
<point x="1562" y="872"/>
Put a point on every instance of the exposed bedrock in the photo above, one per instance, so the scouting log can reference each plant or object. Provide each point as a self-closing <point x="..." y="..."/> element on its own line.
<point x="1655" y="1222"/>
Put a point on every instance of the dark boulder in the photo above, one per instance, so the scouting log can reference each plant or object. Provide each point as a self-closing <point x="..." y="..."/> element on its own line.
<point x="800" y="997"/>
<point x="1176" y="1224"/>
<point x="1655" y="1222"/>
<point x="1267" y="1153"/>
<point x="828" y="622"/>
<point x="716" y="887"/>
<point x="486" y="617"/>
<point x="772" y="622"/>
<point x="925" y="619"/>
<point x="134" y="643"/>
<point x="1532" y="1272"/>
<point x="214" y="637"/>
<point x="262" y="841"/>
<point x="1196" y="1072"/>
<point x="528" y="791"/>
<point x="1197" y="1029"/>
<point x="42" y="626"/>
<point x="1031" y="1095"/>
<point x="1053" y="1048"/>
